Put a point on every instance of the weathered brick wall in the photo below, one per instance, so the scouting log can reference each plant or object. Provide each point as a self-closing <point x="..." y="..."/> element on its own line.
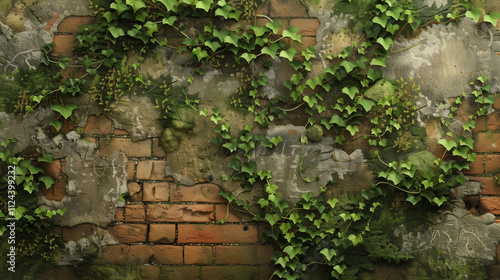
<point x="171" y="231"/>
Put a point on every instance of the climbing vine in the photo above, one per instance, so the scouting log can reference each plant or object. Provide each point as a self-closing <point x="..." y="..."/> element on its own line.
<point x="317" y="231"/>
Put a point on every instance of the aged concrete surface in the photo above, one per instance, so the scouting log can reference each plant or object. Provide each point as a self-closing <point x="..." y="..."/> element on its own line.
<point x="324" y="162"/>
<point x="26" y="26"/>
<point x="458" y="233"/>
<point x="446" y="58"/>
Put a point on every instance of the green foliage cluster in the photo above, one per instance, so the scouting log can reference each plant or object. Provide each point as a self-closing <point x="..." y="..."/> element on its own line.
<point x="316" y="232"/>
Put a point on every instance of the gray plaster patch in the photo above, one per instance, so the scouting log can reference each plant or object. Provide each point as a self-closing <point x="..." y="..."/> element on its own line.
<point x="323" y="161"/>
<point x="458" y="233"/>
<point x="445" y="58"/>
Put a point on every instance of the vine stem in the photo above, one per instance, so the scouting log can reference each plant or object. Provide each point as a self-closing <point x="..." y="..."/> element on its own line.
<point x="292" y="109"/>
<point x="401" y="189"/>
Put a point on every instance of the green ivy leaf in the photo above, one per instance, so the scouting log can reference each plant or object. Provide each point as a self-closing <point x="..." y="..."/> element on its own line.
<point x="352" y="129"/>
<point x="249" y="167"/>
<point x="18" y="213"/>
<point x="328" y="253"/>
<point x="171" y="5"/>
<point x="474" y="14"/>
<point x="385" y="42"/>
<point x="170" y="20"/>
<point x="439" y="200"/>
<point x="492" y="18"/>
<point x="352" y="91"/>
<point x="332" y="202"/>
<point x="46" y="158"/>
<point x="395" y="13"/>
<point x="274" y="26"/>
<point x="136" y="4"/>
<point x="289" y="53"/>
<point x="292" y="33"/>
<point x="392" y="28"/>
<point x="272" y="219"/>
<point x="119" y="6"/>
<point x="116" y="31"/>
<point x="448" y="144"/>
<point x="276" y="140"/>
<point x="366" y="103"/>
<point x="204" y="4"/>
<point x="47" y="180"/>
<point x="381" y="20"/>
<point x="462" y="152"/>
<point x="152" y="28"/>
<point x="355" y="239"/>
<point x="65" y="110"/>
<point x="378" y="61"/>
<point x="413" y="199"/>
<point x="348" y="65"/>
<point x="270" y="50"/>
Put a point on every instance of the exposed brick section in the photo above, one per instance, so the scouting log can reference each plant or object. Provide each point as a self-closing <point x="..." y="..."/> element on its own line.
<point x="140" y="254"/>
<point x="284" y="25"/>
<point x="180" y="213"/>
<point x="497" y="101"/>
<point x="120" y="214"/>
<point x="135" y="191"/>
<point x="151" y="170"/>
<point x="129" y="233"/>
<point x="162" y="233"/>
<point x="490" y="187"/>
<point x="480" y="124"/>
<point x="236" y="272"/>
<point x="492" y="163"/>
<point x="493" y="271"/>
<point x="130" y="170"/>
<point x="487" y="142"/>
<point x="98" y="125"/>
<point x="65" y="44"/>
<point x="493" y="121"/>
<point x="120" y="132"/>
<point x="202" y="233"/>
<point x="476" y="167"/>
<point x="132" y="149"/>
<point x="490" y="205"/>
<point x="199" y="255"/>
<point x="249" y="254"/>
<point x="180" y="272"/>
<point x="168" y="254"/>
<point x="287" y="8"/>
<point x="72" y="23"/>
<point x="221" y="213"/>
<point x="156" y="191"/>
<point x="307" y="27"/>
<point x="135" y="213"/>
<point x="197" y="193"/>
<point x="56" y="170"/>
<point x="112" y="254"/>
<point x="77" y="232"/>
<point x="158" y="150"/>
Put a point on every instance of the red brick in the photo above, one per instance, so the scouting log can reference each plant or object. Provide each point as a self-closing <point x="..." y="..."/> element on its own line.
<point x="158" y="150"/>
<point x="180" y="213"/>
<point x="221" y="213"/>
<point x="476" y="167"/>
<point x="130" y="170"/>
<point x="120" y="214"/>
<point x="202" y="233"/>
<point x="129" y="233"/>
<point x="493" y="271"/>
<point x="231" y="272"/>
<point x="487" y="142"/>
<point x="287" y="8"/>
<point x="246" y="254"/>
<point x="72" y="23"/>
<point x="497" y="101"/>
<point x="434" y="133"/>
<point x="151" y="170"/>
<point x="135" y="191"/>
<point x="140" y="254"/>
<point x="112" y="254"/>
<point x="197" y="193"/>
<point x="77" y="232"/>
<point x="55" y="169"/>
<point x="58" y="272"/>
<point x="284" y="24"/>
<point x="199" y="255"/>
<point x="491" y="163"/>
<point x="132" y="149"/>
<point x="120" y="132"/>
<point x="162" y="233"/>
<point x="156" y="191"/>
<point x="135" y="213"/>
<point x="490" y="186"/>
<point x="493" y="121"/>
<point x="65" y="44"/>
<point x="263" y="8"/>
<point x="167" y="254"/>
<point x="480" y="124"/>
<point x="98" y="125"/>
<point x="490" y="205"/>
<point x="180" y="272"/>
<point x="305" y="43"/>
<point x="307" y="27"/>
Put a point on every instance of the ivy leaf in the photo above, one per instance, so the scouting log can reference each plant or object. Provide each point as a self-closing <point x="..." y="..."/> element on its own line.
<point x="270" y="50"/>
<point x="108" y="53"/>
<point x="249" y="167"/>
<point x="366" y="103"/>
<point x="328" y="253"/>
<point x="474" y="14"/>
<point x="462" y="152"/>
<point x="276" y="140"/>
<point x="170" y="20"/>
<point x="248" y="56"/>
<point x="56" y="124"/>
<point x="204" y="4"/>
<point x="413" y="199"/>
<point x="289" y="53"/>
<point x="213" y="45"/>
<point x="290" y="250"/>
<point x="141" y="16"/>
<point x="336" y="119"/>
<point x="392" y="28"/>
<point x="348" y="65"/>
<point x="136" y="4"/>
<point x="259" y="31"/>
<point x="332" y="202"/>
<point x="224" y="11"/>
<point x="311" y="100"/>
<point x="116" y="31"/>
<point x="119" y="7"/>
<point x="492" y="18"/>
<point x="439" y="200"/>
<point x="46" y="158"/>
<point x="382" y="20"/>
<point x="272" y="218"/>
<point x="65" y="110"/>
<point x="395" y="13"/>
<point x="292" y="33"/>
<point x="171" y="5"/>
<point x="395" y="178"/>
<point x="18" y="213"/>
<point x="274" y="26"/>
<point x="385" y="42"/>
<point x="355" y="239"/>
<point x="380" y="61"/>
<point x="152" y="28"/>
<point x="350" y="91"/>
<point x="47" y="180"/>
<point x="448" y="144"/>
<point x="352" y="129"/>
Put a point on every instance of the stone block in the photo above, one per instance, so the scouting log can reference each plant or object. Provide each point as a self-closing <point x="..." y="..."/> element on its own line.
<point x="168" y="254"/>
<point x="151" y="170"/>
<point x="155" y="192"/>
<point x="98" y="125"/>
<point x="131" y="149"/>
<point x="135" y="213"/>
<point x="200" y="213"/>
<point x="198" y="255"/>
<point x="129" y="233"/>
<point x="65" y="44"/>
<point x="72" y="23"/>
